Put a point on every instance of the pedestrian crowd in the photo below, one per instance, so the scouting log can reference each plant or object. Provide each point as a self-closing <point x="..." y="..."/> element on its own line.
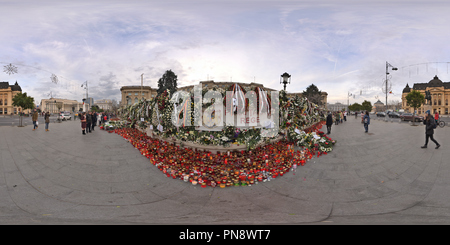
<point x="90" y="119"/>
<point x="338" y="117"/>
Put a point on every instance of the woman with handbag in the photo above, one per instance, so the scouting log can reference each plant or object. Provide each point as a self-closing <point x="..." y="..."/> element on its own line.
<point x="366" y="120"/>
<point x="83" y="122"/>
<point x="47" y="120"/>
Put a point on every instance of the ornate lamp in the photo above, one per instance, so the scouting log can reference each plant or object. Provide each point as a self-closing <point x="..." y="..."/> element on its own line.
<point x="286" y="79"/>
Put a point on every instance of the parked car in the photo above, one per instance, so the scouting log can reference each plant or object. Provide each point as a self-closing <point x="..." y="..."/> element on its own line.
<point x="409" y="117"/>
<point x="64" y="116"/>
<point x="394" y="115"/>
<point x="381" y="114"/>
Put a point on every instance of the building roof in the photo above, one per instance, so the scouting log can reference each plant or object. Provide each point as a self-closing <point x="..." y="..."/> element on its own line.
<point x="435" y="82"/>
<point x="15" y="87"/>
<point x="378" y="103"/>
<point x="407" y="89"/>
<point x="136" y="87"/>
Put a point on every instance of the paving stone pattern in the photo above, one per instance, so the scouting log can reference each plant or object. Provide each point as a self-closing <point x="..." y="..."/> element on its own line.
<point x="380" y="177"/>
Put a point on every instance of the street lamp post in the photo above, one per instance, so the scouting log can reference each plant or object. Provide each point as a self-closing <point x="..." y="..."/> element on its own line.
<point x="387" y="73"/>
<point x="348" y="100"/>
<point x="286" y="79"/>
<point x="86" y="87"/>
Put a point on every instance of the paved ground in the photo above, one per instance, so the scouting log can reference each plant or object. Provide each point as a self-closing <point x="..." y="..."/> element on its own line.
<point x="383" y="177"/>
<point x="26" y="120"/>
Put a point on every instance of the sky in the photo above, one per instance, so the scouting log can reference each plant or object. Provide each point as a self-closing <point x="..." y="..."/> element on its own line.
<point x="340" y="46"/>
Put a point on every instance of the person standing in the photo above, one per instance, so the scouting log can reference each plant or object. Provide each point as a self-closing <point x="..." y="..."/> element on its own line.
<point x="429" y="129"/>
<point x="34" y="118"/>
<point x="47" y="120"/>
<point x="88" y="122"/>
<point x="83" y="122"/>
<point x="94" y="120"/>
<point x="436" y="117"/>
<point x="362" y="116"/>
<point x="345" y="116"/>
<point x="329" y="122"/>
<point x="366" y="121"/>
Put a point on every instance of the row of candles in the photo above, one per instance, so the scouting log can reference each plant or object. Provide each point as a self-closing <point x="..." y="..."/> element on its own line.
<point x="221" y="169"/>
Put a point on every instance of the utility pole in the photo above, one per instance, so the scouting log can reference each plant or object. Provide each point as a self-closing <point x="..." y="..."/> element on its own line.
<point x="348" y="100"/>
<point x="142" y="83"/>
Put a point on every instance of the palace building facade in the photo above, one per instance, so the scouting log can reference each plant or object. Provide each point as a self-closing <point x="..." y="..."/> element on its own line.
<point x="7" y="93"/>
<point x="440" y="96"/>
<point x="132" y="94"/>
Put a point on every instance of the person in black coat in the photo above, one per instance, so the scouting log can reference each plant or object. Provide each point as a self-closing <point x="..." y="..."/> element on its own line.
<point x="94" y="120"/>
<point x="429" y="130"/>
<point x="88" y="122"/>
<point x="329" y="122"/>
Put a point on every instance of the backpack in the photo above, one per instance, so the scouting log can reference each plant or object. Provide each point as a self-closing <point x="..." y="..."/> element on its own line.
<point x="434" y="124"/>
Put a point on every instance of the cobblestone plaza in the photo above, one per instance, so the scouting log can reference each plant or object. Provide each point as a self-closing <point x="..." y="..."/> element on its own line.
<point x="380" y="177"/>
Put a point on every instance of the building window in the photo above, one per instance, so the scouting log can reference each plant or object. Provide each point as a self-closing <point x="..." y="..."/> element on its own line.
<point x="439" y="102"/>
<point x="435" y="103"/>
<point x="446" y="102"/>
<point x="1" y="102"/>
<point x="128" y="101"/>
<point x="135" y="100"/>
<point x="1" y="111"/>
<point x="5" y="111"/>
<point x="6" y="103"/>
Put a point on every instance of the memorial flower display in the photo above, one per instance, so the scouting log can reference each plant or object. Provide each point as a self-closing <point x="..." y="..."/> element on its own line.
<point x="221" y="169"/>
<point x="172" y="121"/>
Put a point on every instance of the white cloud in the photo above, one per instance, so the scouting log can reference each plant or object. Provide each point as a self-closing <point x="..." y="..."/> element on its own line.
<point x="339" y="46"/>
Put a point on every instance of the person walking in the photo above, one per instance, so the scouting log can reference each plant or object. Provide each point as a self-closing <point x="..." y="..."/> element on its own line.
<point x="345" y="116"/>
<point x="47" y="120"/>
<point x="83" y="122"/>
<point x="366" y="121"/>
<point x="430" y="123"/>
<point x="329" y="122"/>
<point x="362" y="116"/>
<point x="34" y="118"/>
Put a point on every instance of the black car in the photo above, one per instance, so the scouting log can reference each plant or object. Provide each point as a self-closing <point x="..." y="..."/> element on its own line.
<point x="381" y="114"/>
<point x="394" y="115"/>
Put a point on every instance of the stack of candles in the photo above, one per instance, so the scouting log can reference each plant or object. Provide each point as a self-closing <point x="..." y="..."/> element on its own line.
<point x="222" y="169"/>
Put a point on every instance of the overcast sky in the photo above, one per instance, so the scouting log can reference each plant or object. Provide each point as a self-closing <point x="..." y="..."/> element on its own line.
<point x="340" y="46"/>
